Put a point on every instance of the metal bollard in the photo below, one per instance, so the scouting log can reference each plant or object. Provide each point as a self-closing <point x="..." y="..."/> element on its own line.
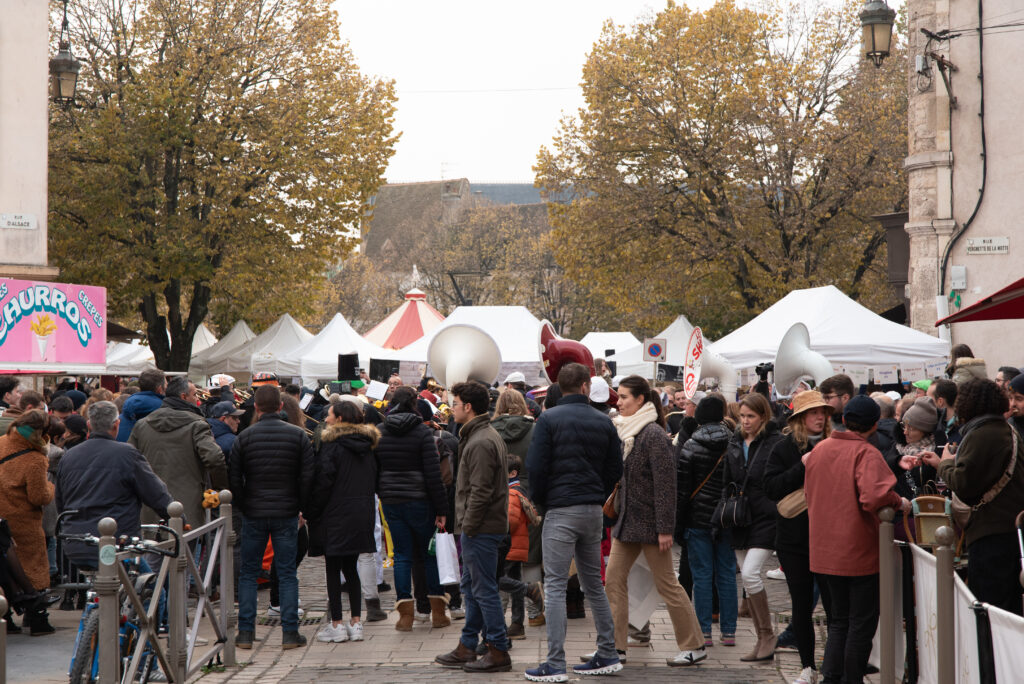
<point x="3" y="640"/>
<point x="887" y="596"/>
<point x="177" y="616"/>
<point x="228" y="619"/>
<point x="945" y="610"/>
<point x="106" y="587"/>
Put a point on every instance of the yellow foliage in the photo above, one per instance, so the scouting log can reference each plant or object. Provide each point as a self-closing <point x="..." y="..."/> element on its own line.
<point x="221" y="157"/>
<point x="725" y="158"/>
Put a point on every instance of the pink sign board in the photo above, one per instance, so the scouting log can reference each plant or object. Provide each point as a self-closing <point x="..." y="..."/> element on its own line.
<point x="52" y="326"/>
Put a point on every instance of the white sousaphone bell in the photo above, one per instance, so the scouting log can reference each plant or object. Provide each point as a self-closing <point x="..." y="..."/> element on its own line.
<point x="463" y="352"/>
<point x="702" y="362"/>
<point x="795" y="360"/>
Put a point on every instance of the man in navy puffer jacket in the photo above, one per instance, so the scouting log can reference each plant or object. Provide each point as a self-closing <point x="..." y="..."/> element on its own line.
<point x="574" y="461"/>
<point x="149" y="398"/>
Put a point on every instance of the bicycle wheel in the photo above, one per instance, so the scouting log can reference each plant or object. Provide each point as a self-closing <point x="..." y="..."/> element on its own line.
<point x="83" y="665"/>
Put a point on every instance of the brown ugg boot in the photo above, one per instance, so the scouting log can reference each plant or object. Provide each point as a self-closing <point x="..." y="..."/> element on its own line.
<point x="759" y="612"/>
<point x="438" y="604"/>
<point x="405" y="609"/>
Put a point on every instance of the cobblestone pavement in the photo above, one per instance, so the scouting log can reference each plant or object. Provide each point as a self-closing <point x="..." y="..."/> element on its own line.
<point x="390" y="656"/>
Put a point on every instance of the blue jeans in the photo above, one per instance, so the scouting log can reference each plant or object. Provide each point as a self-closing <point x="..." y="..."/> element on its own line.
<point x="712" y="560"/>
<point x="574" y="531"/>
<point x="412" y="524"/>
<point x="479" y="588"/>
<point x="283" y="533"/>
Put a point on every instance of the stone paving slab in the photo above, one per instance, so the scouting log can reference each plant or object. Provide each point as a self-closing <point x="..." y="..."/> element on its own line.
<point x="387" y="655"/>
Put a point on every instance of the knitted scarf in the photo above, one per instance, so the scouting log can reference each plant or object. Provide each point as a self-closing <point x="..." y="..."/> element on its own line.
<point x="630" y="426"/>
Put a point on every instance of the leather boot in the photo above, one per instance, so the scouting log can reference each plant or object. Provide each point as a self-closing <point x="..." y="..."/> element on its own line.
<point x="405" y="609"/>
<point x="374" y="612"/>
<point x="38" y="623"/>
<point x="759" y="612"/>
<point x="493" y="661"/>
<point x="456" y="658"/>
<point x="438" y="604"/>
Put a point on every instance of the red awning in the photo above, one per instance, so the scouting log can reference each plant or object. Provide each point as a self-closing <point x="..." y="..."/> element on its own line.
<point x="1007" y="303"/>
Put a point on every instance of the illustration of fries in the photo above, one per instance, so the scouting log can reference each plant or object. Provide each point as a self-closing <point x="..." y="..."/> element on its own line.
<point x="43" y="326"/>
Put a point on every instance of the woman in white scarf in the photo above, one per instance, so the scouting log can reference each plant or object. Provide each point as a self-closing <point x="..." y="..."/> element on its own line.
<point x="647" y="516"/>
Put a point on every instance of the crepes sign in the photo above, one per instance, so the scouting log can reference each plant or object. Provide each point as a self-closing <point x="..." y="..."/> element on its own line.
<point x="46" y="326"/>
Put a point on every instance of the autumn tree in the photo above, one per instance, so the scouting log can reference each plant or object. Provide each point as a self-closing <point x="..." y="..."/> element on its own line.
<point x="221" y="156"/>
<point x="742" y="149"/>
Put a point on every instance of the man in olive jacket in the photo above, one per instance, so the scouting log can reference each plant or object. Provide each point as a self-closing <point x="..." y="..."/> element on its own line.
<point x="481" y="513"/>
<point x="179" y="445"/>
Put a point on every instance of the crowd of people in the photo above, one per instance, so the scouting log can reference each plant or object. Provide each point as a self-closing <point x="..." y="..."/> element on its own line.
<point x="565" y="487"/>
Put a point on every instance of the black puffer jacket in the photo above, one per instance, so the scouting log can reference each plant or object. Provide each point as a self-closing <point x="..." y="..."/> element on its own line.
<point x="410" y="469"/>
<point x="271" y="469"/>
<point x="343" y="511"/>
<point x="575" y="455"/>
<point x="696" y="459"/>
<point x="761" y="532"/>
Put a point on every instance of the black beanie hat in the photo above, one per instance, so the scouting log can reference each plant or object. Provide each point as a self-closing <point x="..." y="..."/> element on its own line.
<point x="1017" y="384"/>
<point x="709" y="410"/>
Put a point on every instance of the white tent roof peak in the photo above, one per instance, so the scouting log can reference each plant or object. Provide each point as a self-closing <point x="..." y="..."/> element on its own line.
<point x="631" y="361"/>
<point x="840" y="329"/>
<point x="317" y="357"/>
<point x="239" y="334"/>
<point x="284" y="335"/>
<point x="415" y="293"/>
<point x="599" y="342"/>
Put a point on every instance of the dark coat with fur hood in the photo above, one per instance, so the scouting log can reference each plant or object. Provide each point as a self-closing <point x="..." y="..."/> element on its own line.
<point x="343" y="509"/>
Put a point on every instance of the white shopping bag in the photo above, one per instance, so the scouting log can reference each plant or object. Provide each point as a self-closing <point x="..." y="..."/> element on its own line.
<point x="447" y="558"/>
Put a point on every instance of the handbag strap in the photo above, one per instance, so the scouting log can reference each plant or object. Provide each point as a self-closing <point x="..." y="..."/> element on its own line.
<point x="15" y="455"/>
<point x="750" y="466"/>
<point x="1003" y="480"/>
<point x="717" y="463"/>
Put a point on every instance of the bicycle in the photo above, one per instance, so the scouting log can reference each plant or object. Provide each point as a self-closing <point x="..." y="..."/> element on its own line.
<point x="84" y="666"/>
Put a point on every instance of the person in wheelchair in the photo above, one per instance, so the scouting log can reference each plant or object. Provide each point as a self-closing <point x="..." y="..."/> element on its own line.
<point x="102" y="477"/>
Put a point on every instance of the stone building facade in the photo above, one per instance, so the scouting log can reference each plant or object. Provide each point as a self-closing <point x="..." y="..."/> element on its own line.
<point x="24" y="59"/>
<point x="965" y="166"/>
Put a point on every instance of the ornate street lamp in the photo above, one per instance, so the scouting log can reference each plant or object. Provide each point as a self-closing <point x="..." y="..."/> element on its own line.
<point x="876" y="20"/>
<point x="64" y="67"/>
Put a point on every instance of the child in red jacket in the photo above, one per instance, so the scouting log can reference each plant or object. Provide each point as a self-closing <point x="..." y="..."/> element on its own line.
<point x="510" y="572"/>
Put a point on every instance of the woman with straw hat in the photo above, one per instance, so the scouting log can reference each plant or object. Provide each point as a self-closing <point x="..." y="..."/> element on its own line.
<point x="783" y="482"/>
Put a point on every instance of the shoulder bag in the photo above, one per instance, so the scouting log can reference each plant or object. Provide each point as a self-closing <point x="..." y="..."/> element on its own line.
<point x="733" y="510"/>
<point x="962" y="512"/>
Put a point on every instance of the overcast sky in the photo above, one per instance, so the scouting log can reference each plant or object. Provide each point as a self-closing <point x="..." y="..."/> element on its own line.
<point x="481" y="85"/>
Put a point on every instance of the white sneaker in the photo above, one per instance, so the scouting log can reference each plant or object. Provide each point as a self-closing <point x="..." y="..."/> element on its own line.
<point x="776" y="574"/>
<point x="355" y="632"/>
<point x="421" y="617"/>
<point x="687" y="658"/>
<point x="457" y="613"/>
<point x="275" y="612"/>
<point x="807" y="676"/>
<point x="331" y="634"/>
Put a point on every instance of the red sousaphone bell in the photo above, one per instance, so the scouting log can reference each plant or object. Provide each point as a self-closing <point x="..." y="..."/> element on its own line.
<point x="556" y="351"/>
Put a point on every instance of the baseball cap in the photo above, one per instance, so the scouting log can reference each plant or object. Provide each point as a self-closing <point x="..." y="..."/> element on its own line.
<point x="863" y="410"/>
<point x="225" y="408"/>
<point x="599" y="391"/>
<point x="514" y="377"/>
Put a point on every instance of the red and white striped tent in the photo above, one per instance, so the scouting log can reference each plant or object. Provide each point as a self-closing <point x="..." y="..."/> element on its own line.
<point x="406" y="324"/>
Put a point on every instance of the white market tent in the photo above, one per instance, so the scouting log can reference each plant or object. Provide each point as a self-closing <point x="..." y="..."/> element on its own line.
<point x="317" y="358"/>
<point x="262" y="351"/>
<point x="599" y="342"/>
<point x="203" y="339"/>
<point x="631" y="360"/>
<point x="513" y="328"/>
<point x="841" y="330"/>
<point x="210" y="360"/>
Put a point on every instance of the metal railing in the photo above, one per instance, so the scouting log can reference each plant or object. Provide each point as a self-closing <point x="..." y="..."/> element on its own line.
<point x="178" y="658"/>
<point x="944" y="550"/>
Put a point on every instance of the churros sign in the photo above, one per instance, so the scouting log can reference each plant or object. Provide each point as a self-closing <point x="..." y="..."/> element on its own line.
<point x="46" y="325"/>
